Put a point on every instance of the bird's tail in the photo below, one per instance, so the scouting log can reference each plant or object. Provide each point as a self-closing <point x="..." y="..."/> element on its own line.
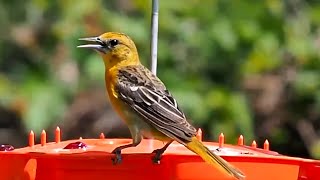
<point x="197" y="147"/>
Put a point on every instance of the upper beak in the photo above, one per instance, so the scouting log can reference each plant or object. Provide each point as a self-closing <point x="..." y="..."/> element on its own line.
<point x="99" y="45"/>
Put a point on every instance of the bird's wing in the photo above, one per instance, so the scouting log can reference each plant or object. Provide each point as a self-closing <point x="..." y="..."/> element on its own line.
<point x="148" y="96"/>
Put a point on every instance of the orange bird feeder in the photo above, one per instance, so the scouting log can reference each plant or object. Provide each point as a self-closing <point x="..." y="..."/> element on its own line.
<point x="84" y="159"/>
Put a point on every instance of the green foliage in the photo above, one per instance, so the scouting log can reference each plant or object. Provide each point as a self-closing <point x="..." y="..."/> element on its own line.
<point x="208" y="50"/>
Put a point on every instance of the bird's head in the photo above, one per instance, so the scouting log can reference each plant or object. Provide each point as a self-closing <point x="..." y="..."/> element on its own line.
<point x="115" y="48"/>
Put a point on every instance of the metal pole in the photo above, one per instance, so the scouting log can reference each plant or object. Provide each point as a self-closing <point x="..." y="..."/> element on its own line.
<point x="154" y="35"/>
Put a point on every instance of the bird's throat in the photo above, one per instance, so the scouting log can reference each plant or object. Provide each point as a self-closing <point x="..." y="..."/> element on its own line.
<point x="111" y="62"/>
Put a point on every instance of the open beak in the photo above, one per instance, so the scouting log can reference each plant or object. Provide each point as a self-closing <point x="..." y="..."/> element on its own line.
<point x="97" y="44"/>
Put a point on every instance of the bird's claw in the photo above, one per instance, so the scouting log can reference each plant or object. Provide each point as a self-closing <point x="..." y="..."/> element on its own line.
<point x="118" y="158"/>
<point x="157" y="157"/>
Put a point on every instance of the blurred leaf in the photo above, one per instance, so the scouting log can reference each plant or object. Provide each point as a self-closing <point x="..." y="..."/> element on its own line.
<point x="307" y="83"/>
<point x="265" y="57"/>
<point x="241" y="115"/>
<point x="94" y="68"/>
<point x="249" y="30"/>
<point x="217" y="98"/>
<point x="46" y="105"/>
<point x="222" y="31"/>
<point x="315" y="150"/>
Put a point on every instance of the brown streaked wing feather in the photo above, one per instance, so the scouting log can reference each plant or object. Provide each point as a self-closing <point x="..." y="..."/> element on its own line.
<point x="148" y="96"/>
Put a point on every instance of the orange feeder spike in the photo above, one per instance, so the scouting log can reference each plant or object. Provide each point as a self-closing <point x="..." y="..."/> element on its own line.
<point x="43" y="138"/>
<point x="57" y="135"/>
<point x="199" y="134"/>
<point x="31" y="139"/>
<point x="221" y="140"/>
<point x="101" y="136"/>
<point x="266" y="145"/>
<point x="240" y="140"/>
<point x="254" y="144"/>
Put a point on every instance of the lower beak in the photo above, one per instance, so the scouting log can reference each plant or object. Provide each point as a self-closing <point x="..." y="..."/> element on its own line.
<point x="97" y="46"/>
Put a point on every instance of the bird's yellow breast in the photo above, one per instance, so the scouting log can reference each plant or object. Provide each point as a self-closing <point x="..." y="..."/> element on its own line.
<point x="111" y="82"/>
<point x="126" y="113"/>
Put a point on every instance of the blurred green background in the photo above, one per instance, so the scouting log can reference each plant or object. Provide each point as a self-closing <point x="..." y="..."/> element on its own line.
<point x="238" y="67"/>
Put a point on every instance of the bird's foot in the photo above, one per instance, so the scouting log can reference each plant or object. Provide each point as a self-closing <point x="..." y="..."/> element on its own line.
<point x="118" y="158"/>
<point x="157" y="157"/>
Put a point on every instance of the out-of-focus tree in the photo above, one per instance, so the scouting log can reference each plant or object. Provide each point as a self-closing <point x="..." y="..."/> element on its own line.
<point x="238" y="67"/>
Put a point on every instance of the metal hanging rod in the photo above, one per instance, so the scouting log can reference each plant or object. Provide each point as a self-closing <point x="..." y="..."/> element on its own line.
<point x="154" y="35"/>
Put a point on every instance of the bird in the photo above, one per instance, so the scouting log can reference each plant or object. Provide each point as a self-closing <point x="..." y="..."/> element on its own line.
<point x="144" y="103"/>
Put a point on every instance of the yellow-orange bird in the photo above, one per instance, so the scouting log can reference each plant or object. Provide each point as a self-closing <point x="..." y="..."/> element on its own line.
<point x="144" y="103"/>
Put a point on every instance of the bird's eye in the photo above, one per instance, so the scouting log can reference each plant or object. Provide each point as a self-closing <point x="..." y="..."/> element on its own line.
<point x="113" y="43"/>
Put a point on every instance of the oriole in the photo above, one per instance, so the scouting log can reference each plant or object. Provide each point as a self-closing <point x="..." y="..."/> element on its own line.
<point x="144" y="103"/>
